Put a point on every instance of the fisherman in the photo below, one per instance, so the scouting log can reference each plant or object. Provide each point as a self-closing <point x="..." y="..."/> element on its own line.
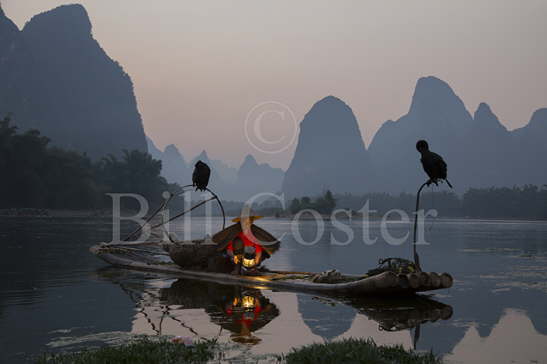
<point x="245" y="250"/>
<point x="245" y="244"/>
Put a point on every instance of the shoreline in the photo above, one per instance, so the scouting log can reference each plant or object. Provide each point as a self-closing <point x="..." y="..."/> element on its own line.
<point x="102" y="213"/>
<point x="54" y="213"/>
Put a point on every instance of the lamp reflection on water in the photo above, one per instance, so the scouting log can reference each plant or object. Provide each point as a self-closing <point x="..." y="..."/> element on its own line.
<point x="248" y="302"/>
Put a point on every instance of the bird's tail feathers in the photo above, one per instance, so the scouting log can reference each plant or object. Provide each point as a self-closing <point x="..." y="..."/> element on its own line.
<point x="448" y="183"/>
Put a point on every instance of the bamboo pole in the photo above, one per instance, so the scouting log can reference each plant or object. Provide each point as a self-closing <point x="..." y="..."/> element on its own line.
<point x="435" y="280"/>
<point x="403" y="281"/>
<point x="424" y="279"/>
<point x="446" y="280"/>
<point x="416" y="257"/>
<point x="413" y="280"/>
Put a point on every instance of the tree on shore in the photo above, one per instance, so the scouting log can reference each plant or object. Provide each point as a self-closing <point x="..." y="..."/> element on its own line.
<point x="323" y="204"/>
<point x="295" y="206"/>
<point x="36" y="175"/>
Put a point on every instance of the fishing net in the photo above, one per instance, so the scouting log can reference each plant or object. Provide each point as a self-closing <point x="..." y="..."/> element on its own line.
<point x="395" y="265"/>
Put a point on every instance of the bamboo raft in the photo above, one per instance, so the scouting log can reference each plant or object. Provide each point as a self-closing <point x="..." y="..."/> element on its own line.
<point x="383" y="284"/>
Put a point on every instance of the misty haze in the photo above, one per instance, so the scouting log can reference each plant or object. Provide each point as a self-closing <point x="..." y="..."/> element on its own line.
<point x="240" y="181"/>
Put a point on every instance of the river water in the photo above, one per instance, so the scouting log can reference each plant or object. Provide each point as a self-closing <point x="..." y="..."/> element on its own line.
<point x="56" y="296"/>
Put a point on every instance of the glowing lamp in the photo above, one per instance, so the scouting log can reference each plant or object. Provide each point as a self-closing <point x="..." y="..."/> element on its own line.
<point x="249" y="263"/>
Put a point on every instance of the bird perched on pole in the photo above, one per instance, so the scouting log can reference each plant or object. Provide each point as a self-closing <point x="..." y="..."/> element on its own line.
<point x="434" y="165"/>
<point x="200" y="176"/>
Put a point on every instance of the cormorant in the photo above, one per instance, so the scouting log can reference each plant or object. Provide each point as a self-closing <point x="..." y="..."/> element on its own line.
<point x="433" y="164"/>
<point x="200" y="176"/>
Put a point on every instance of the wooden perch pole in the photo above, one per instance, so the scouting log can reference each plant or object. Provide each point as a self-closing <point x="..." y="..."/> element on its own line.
<point x="416" y="257"/>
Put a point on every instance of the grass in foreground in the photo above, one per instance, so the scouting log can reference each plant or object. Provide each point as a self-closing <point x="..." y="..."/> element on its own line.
<point x="358" y="351"/>
<point x="141" y="351"/>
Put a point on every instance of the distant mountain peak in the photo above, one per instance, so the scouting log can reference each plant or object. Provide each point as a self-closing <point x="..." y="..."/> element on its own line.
<point x="254" y="178"/>
<point x="249" y="161"/>
<point x="171" y="148"/>
<point x="328" y="102"/>
<point x="330" y="117"/>
<point x="328" y="142"/>
<point x="172" y="151"/>
<point x="483" y="108"/>
<point x="484" y="117"/>
<point x="69" y="19"/>
<point x="433" y="94"/>
<point x="331" y="98"/>
<point x="58" y="79"/>
<point x="539" y="118"/>
<point x="432" y="82"/>
<point x="202" y="157"/>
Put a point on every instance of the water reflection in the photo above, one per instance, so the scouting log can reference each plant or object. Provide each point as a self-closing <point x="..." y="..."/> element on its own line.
<point x="179" y="307"/>
<point x="513" y="339"/>
<point x="404" y="313"/>
<point x="391" y="314"/>
<point x="239" y="310"/>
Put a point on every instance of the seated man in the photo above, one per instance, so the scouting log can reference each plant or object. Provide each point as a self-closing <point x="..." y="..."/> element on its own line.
<point x="243" y="251"/>
<point x="246" y="244"/>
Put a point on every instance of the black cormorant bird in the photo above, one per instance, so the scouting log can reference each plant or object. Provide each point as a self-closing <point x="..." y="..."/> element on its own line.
<point x="200" y="177"/>
<point x="433" y="164"/>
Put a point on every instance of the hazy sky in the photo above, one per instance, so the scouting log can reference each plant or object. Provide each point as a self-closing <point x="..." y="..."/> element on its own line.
<point x="199" y="67"/>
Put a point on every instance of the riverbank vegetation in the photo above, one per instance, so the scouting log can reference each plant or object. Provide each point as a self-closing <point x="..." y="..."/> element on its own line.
<point x="38" y="175"/>
<point x="324" y="204"/>
<point x="357" y="351"/>
<point x="518" y="202"/>
<point x="142" y="351"/>
<point x="163" y="351"/>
